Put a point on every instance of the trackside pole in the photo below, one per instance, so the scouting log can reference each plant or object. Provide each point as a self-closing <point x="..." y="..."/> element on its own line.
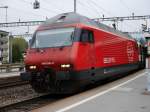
<point x="148" y="73"/>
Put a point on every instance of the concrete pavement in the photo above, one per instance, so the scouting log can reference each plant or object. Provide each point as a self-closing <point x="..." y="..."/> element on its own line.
<point x="10" y="74"/>
<point x="123" y="95"/>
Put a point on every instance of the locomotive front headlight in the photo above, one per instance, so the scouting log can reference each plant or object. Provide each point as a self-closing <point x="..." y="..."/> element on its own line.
<point x="32" y="67"/>
<point x="65" y="65"/>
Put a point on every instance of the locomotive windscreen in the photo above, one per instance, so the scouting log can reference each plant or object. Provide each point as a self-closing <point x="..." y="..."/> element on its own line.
<point x="53" y="38"/>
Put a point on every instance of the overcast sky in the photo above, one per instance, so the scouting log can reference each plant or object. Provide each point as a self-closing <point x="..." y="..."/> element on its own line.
<point x="23" y="10"/>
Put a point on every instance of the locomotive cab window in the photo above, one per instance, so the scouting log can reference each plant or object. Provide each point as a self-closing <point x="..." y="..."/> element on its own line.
<point x="86" y="36"/>
<point x="53" y="38"/>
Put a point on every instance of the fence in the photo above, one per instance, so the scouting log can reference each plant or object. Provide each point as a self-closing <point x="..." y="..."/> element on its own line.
<point x="11" y="67"/>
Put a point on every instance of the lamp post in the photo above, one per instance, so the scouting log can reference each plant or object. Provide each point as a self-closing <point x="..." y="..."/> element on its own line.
<point x="75" y="6"/>
<point x="10" y="38"/>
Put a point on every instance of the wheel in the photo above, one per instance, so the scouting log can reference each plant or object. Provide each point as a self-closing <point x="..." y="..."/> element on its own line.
<point x="44" y="81"/>
<point x="40" y="83"/>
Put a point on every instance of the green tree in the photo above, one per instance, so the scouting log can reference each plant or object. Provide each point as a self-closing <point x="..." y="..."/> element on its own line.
<point x="19" y="46"/>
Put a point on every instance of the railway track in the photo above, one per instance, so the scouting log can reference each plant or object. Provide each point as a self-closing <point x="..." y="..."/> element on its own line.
<point x="40" y="100"/>
<point x="35" y="100"/>
<point x="12" y="89"/>
<point x="12" y="84"/>
<point x="29" y="104"/>
<point x="17" y="94"/>
<point x="7" y="82"/>
<point x="14" y="94"/>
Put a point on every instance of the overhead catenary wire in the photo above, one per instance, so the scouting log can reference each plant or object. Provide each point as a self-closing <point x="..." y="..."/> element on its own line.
<point x="104" y="10"/>
<point x="20" y="11"/>
<point x="101" y="8"/>
<point x="27" y="2"/>
<point x="126" y="6"/>
<point x="26" y="11"/>
<point x="52" y="4"/>
<point x="109" y="13"/>
<point x="86" y="7"/>
<point x="2" y="17"/>
<point x="47" y="10"/>
<point x="90" y="5"/>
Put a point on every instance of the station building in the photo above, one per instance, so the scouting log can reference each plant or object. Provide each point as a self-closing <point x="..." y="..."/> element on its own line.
<point x="4" y="47"/>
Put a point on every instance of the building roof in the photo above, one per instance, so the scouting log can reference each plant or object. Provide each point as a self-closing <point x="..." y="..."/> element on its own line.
<point x="4" y="32"/>
<point x="146" y="35"/>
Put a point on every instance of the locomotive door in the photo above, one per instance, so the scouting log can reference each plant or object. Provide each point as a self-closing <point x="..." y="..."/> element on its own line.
<point x="87" y="39"/>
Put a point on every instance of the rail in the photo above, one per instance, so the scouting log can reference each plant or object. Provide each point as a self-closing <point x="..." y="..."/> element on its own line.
<point x="13" y="84"/>
<point x="11" y="67"/>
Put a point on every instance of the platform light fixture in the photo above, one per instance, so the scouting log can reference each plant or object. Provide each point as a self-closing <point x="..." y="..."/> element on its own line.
<point x="36" y="5"/>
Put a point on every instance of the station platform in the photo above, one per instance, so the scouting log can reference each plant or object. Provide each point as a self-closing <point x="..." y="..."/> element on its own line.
<point x="130" y="97"/>
<point x="124" y="95"/>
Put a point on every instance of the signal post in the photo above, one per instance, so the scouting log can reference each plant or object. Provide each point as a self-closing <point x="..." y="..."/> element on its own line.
<point x="148" y="64"/>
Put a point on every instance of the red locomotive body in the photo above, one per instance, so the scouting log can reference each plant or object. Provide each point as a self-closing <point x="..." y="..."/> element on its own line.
<point x="70" y="51"/>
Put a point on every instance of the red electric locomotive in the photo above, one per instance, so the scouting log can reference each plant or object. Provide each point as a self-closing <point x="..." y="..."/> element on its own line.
<point x="69" y="51"/>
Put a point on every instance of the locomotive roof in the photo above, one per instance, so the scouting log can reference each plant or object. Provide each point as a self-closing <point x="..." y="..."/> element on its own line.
<point x="74" y="18"/>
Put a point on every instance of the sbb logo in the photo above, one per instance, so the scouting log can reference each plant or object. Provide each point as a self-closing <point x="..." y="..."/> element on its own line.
<point x="130" y="51"/>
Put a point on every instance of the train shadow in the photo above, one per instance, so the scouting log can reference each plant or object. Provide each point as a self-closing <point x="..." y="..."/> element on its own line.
<point x="107" y="80"/>
<point x="92" y="86"/>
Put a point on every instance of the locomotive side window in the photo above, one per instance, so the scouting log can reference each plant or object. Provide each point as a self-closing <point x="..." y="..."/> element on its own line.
<point x="87" y="36"/>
